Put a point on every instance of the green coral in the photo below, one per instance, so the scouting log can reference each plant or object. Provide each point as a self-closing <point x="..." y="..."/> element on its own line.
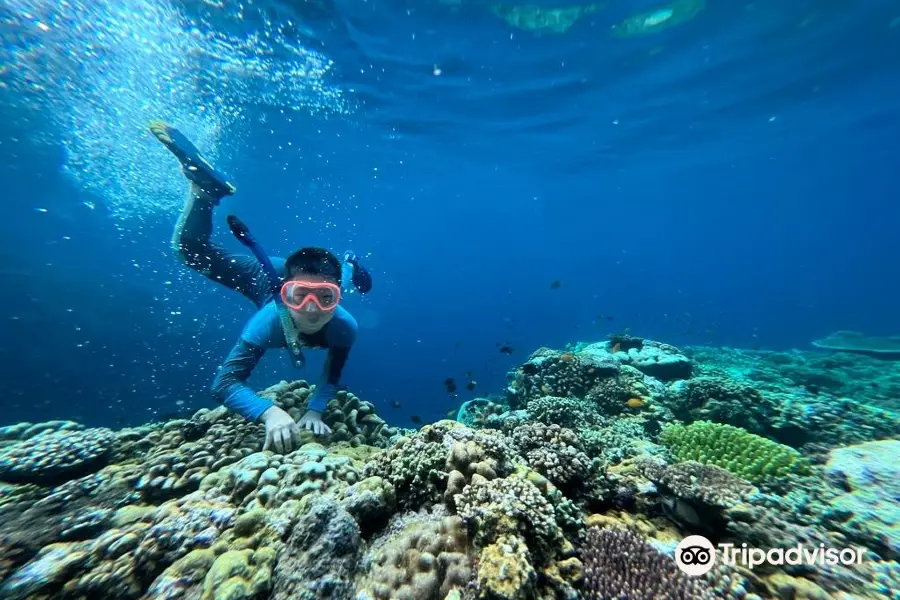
<point x="749" y="456"/>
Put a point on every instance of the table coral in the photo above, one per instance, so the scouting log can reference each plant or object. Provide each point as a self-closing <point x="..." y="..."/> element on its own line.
<point x="656" y="359"/>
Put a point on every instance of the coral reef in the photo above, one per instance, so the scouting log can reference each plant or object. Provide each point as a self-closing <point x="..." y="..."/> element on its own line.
<point x="578" y="484"/>
<point x="351" y="419"/>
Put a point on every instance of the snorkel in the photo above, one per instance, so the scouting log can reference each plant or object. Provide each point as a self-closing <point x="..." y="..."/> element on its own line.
<point x="243" y="235"/>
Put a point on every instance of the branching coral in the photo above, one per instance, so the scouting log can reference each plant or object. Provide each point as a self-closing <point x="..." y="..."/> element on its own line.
<point x="619" y="563"/>
<point x="439" y="460"/>
<point x="552" y="451"/>
<point x="750" y="456"/>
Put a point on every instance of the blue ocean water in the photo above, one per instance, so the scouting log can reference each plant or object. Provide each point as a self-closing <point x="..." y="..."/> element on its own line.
<point x="729" y="180"/>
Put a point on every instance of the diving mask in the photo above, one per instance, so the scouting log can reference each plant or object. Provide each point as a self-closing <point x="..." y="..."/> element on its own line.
<point x="298" y="294"/>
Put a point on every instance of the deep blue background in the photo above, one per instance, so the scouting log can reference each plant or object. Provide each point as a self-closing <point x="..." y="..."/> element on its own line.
<point x="732" y="181"/>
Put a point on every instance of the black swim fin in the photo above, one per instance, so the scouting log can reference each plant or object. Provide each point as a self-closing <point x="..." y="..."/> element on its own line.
<point x="196" y="168"/>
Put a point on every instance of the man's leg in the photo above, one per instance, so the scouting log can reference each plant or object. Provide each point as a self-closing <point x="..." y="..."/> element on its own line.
<point x="191" y="238"/>
<point x="192" y="245"/>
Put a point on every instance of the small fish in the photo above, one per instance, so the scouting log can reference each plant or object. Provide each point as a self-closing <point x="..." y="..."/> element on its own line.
<point x="616" y="347"/>
<point x="469" y="374"/>
<point x="395" y="404"/>
<point x="556" y="284"/>
<point x="416" y="419"/>
<point x="451" y="414"/>
<point x="506" y="349"/>
<point x="568" y="356"/>
<point x="450" y="385"/>
<point x="545" y="389"/>
<point x="530" y="369"/>
<point x="635" y="402"/>
<point x="471" y="386"/>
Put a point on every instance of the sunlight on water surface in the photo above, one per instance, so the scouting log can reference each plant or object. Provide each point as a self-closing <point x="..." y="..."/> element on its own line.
<point x="103" y="69"/>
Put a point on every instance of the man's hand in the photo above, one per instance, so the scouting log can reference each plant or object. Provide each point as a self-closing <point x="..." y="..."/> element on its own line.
<point x="282" y="433"/>
<point x="312" y="420"/>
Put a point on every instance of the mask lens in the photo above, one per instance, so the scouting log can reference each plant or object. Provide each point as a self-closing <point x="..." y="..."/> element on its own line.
<point x="326" y="297"/>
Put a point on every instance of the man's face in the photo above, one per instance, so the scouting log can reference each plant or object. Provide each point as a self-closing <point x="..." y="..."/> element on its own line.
<point x="311" y="301"/>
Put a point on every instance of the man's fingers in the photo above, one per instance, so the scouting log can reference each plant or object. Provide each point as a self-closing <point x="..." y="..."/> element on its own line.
<point x="279" y="443"/>
<point x="268" y="444"/>
<point x="287" y="439"/>
<point x="295" y="434"/>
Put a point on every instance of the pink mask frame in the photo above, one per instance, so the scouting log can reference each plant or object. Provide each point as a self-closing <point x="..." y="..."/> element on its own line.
<point x="288" y="294"/>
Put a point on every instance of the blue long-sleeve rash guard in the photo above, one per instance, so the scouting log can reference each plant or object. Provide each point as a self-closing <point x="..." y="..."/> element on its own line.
<point x="264" y="331"/>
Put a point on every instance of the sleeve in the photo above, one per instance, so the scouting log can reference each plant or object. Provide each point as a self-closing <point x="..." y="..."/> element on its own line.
<point x="230" y="384"/>
<point x="340" y="337"/>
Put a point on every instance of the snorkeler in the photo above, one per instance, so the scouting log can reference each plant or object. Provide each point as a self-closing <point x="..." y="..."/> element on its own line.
<point x="298" y="300"/>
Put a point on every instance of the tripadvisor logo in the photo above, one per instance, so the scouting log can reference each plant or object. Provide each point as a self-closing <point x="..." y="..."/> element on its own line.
<point x="695" y="555"/>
